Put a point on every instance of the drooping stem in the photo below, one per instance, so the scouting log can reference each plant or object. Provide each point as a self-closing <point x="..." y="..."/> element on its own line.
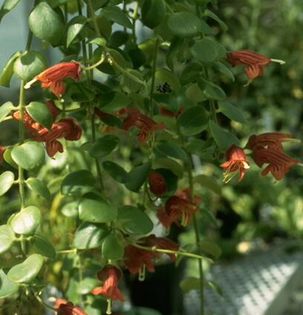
<point x="94" y="17"/>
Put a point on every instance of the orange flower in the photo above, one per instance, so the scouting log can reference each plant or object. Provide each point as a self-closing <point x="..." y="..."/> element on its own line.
<point x="134" y="118"/>
<point x="53" y="77"/>
<point x="254" y="63"/>
<point x="110" y="276"/>
<point x="236" y="161"/>
<point x="267" y="149"/>
<point x="65" y="307"/>
<point x="157" y="183"/>
<point x="137" y="259"/>
<point x="178" y="208"/>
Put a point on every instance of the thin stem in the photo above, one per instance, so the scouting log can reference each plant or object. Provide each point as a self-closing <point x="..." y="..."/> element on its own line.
<point x="134" y="18"/>
<point x="94" y="18"/>
<point x="155" y="54"/>
<point x="95" y="65"/>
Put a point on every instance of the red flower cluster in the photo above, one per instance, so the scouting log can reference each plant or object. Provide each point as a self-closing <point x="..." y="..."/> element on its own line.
<point x="267" y="149"/>
<point x="137" y="259"/>
<point x="134" y="118"/>
<point x="254" y="63"/>
<point x="66" y="128"/>
<point x="157" y="183"/>
<point x="110" y="276"/>
<point x="178" y="208"/>
<point x="236" y="161"/>
<point x="65" y="307"/>
<point x="53" y="77"/>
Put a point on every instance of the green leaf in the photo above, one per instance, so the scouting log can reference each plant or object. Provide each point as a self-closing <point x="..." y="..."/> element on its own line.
<point x="40" y="113"/>
<point x="210" y="248"/>
<point x="97" y="211"/>
<point x="38" y="187"/>
<point x="99" y="41"/>
<point x="89" y="235"/>
<point x="223" y="138"/>
<point x="170" y="164"/>
<point x="221" y="67"/>
<point x="6" y="181"/>
<point x="213" y="91"/>
<point x="137" y="176"/>
<point x="213" y="16"/>
<point x="28" y="155"/>
<point x="29" y="64"/>
<point x="172" y="149"/>
<point x="189" y="284"/>
<point x="231" y="111"/>
<point x="116" y="15"/>
<point x="78" y="183"/>
<point x="46" y="24"/>
<point x="5" y="109"/>
<point x="184" y="24"/>
<point x="75" y="26"/>
<point x="208" y="182"/>
<point x="134" y="220"/>
<point x="7" y="237"/>
<point x="27" y="270"/>
<point x="71" y="209"/>
<point x="115" y="171"/>
<point x="7" y="287"/>
<point x="26" y="221"/>
<point x="112" y="247"/>
<point x="8" y="157"/>
<point x="42" y="246"/>
<point x="7" y="6"/>
<point x="86" y="286"/>
<point x="163" y="76"/>
<point x="193" y="120"/>
<point x="206" y="50"/>
<point x="103" y="146"/>
<point x="153" y="12"/>
<point x="8" y="70"/>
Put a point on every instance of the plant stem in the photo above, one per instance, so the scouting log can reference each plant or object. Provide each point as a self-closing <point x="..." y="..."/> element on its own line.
<point x="155" y="54"/>
<point x="94" y="18"/>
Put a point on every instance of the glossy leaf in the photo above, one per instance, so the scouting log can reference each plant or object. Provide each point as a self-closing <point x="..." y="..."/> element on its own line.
<point x="7" y="156"/>
<point x="7" y="287"/>
<point x="184" y="24"/>
<point x="103" y="146"/>
<point x="8" y="70"/>
<point x="214" y="92"/>
<point x="170" y="164"/>
<point x="7" y="237"/>
<point x="46" y="24"/>
<point x="6" y="109"/>
<point x="153" y="12"/>
<point x="112" y="247"/>
<point x="26" y="221"/>
<point x="206" y="50"/>
<point x="223" y="138"/>
<point x="27" y="270"/>
<point x="172" y="149"/>
<point x="74" y="28"/>
<point x="96" y="211"/>
<point x="210" y="248"/>
<point x="231" y="111"/>
<point x="28" y="155"/>
<point x="78" y="183"/>
<point x="38" y="187"/>
<point x="71" y="209"/>
<point x="189" y="284"/>
<point x="89" y="235"/>
<point x="137" y="176"/>
<point x="134" y="220"/>
<point x="193" y="120"/>
<point x="6" y="181"/>
<point x="213" y="16"/>
<point x="29" y="64"/>
<point x="40" y="113"/>
<point x="115" y="171"/>
<point x="116" y="15"/>
<point x="42" y="246"/>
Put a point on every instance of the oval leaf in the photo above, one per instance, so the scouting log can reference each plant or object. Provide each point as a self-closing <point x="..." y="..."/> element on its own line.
<point x="6" y="181"/>
<point x="26" y="221"/>
<point x="38" y="187"/>
<point x="206" y="50"/>
<point x="184" y="24"/>
<point x="96" y="211"/>
<point x="27" y="270"/>
<point x="112" y="247"/>
<point x="231" y="111"/>
<point x="7" y="287"/>
<point x="40" y="113"/>
<point x="116" y="15"/>
<point x="7" y="238"/>
<point x="43" y="247"/>
<point x="5" y="109"/>
<point x="103" y="146"/>
<point x="153" y="12"/>
<point x="115" y="171"/>
<point x="137" y="176"/>
<point x="28" y="155"/>
<point x="8" y="70"/>
<point x="89" y="235"/>
<point x="172" y="149"/>
<point x="75" y="26"/>
<point x="78" y="183"/>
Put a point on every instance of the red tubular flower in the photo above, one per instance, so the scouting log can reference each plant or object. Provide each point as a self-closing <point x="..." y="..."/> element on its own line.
<point x="236" y="161"/>
<point x="146" y="126"/>
<point x="137" y="259"/>
<point x="178" y="208"/>
<point x="110" y="276"/>
<point x="254" y="63"/>
<point x="267" y="149"/>
<point x="53" y="77"/>
<point x="65" y="307"/>
<point x="157" y="183"/>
